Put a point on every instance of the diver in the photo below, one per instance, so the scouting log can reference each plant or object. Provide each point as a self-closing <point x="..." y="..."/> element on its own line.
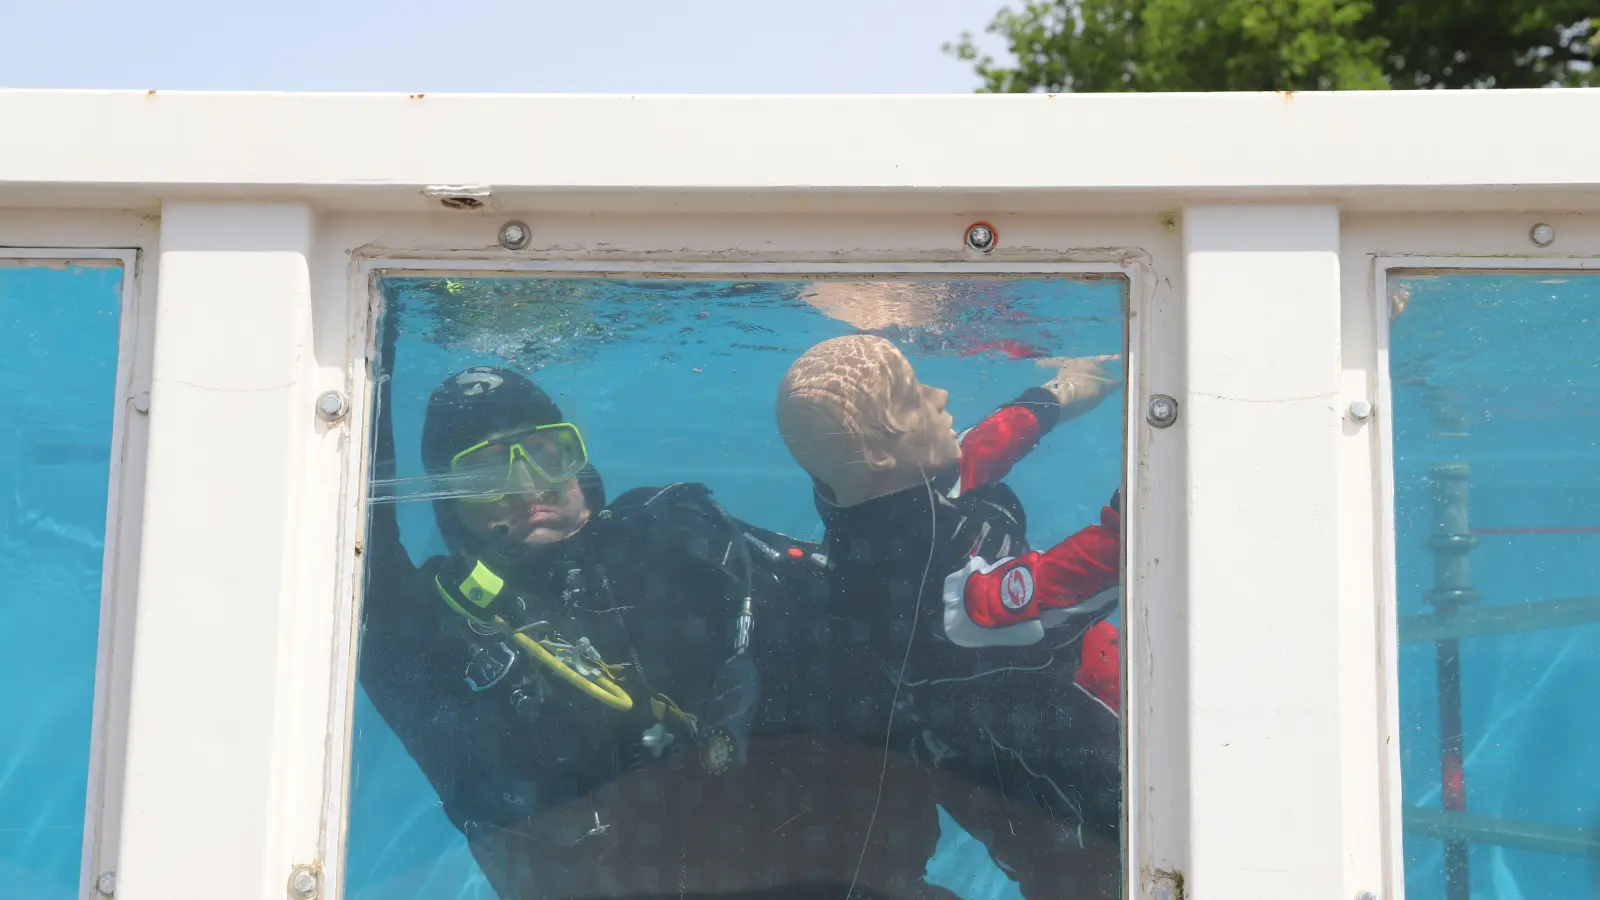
<point x="976" y="654"/>
<point x="577" y="677"/>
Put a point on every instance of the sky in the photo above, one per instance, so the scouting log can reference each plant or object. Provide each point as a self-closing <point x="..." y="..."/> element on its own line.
<point x="439" y="46"/>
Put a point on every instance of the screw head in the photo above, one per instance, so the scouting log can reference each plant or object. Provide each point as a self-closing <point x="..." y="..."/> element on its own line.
<point x="1366" y="895"/>
<point x="106" y="884"/>
<point x="331" y="406"/>
<point x="1542" y="235"/>
<point x="303" y="883"/>
<point x="982" y="237"/>
<point x="1162" y="411"/>
<point x="514" y="235"/>
<point x="1360" y="410"/>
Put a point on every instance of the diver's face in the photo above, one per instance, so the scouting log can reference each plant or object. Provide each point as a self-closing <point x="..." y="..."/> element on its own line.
<point x="928" y="437"/>
<point x="537" y="516"/>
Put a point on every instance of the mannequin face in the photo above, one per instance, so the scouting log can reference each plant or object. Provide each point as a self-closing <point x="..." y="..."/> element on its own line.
<point x="927" y="440"/>
<point x="854" y="415"/>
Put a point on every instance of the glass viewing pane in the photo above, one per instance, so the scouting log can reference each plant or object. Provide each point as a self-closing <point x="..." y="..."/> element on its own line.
<point x="1497" y="521"/>
<point x="801" y="637"/>
<point x="59" y="325"/>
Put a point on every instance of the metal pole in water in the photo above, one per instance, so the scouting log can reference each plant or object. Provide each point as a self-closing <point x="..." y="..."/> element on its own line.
<point x="1451" y="543"/>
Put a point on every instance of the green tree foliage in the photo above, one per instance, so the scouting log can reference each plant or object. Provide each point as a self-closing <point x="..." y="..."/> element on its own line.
<point x="1258" y="45"/>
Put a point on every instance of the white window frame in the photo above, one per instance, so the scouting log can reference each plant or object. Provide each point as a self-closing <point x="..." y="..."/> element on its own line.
<point x="102" y="800"/>
<point x="1384" y="266"/>
<point x="319" y="183"/>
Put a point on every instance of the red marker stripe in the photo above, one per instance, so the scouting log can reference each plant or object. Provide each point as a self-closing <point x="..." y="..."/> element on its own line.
<point x="1454" y="783"/>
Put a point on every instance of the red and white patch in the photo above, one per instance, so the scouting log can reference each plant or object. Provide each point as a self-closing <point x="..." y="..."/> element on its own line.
<point x="990" y="605"/>
<point x="1016" y="589"/>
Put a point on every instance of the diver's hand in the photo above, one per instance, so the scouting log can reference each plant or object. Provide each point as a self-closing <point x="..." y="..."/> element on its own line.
<point x="1082" y="383"/>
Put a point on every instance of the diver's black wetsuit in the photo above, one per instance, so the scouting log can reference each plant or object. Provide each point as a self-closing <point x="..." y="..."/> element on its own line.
<point x="558" y="795"/>
<point x="562" y="797"/>
<point x="1021" y="740"/>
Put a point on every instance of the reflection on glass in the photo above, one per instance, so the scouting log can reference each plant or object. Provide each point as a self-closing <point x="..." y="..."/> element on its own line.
<point x="1497" y="505"/>
<point x="810" y="632"/>
<point x="59" y="326"/>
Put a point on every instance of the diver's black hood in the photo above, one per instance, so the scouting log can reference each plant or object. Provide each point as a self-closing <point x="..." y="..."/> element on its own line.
<point x="469" y="407"/>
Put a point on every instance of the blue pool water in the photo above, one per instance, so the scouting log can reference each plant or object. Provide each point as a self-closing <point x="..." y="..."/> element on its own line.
<point x="1497" y="371"/>
<point x="1500" y="372"/>
<point x="59" y="331"/>
<point x="674" y="380"/>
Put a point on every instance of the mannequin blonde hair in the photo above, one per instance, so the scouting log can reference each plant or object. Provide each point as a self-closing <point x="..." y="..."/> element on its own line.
<point x="839" y="401"/>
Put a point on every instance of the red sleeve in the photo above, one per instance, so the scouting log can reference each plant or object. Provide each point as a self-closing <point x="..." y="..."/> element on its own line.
<point x="992" y="447"/>
<point x="1082" y="565"/>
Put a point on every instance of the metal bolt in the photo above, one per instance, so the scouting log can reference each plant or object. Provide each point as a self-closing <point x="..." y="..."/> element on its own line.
<point x="1360" y="410"/>
<point x="514" y="235"/>
<point x="331" y="406"/>
<point x="141" y="402"/>
<point x="1162" y="411"/>
<point x="303" y="883"/>
<point x="981" y="237"/>
<point x="106" y="884"/>
<point x="1542" y="235"/>
<point x="1366" y="895"/>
